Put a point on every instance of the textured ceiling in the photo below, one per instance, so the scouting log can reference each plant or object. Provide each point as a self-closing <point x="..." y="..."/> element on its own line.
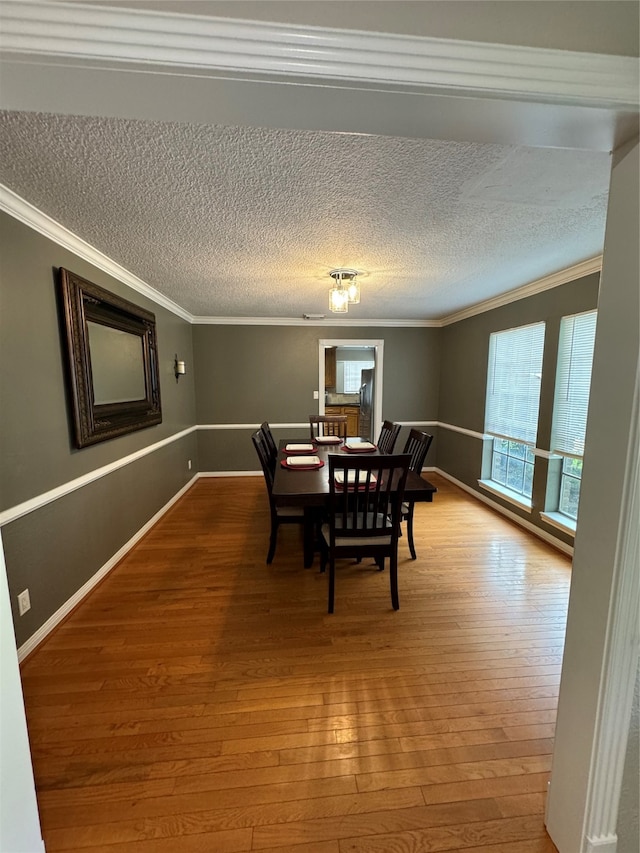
<point x="247" y="222"/>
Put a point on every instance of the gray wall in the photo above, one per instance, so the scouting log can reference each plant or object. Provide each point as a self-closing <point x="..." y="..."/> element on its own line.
<point x="600" y="26"/>
<point x="57" y="548"/>
<point x="236" y="376"/>
<point x="463" y="379"/>
<point x="248" y="374"/>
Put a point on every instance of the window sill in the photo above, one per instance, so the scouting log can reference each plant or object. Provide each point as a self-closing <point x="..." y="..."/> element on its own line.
<point x="506" y="494"/>
<point x="560" y="521"/>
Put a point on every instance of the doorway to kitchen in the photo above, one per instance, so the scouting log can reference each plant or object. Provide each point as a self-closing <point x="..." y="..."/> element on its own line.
<point x="350" y="382"/>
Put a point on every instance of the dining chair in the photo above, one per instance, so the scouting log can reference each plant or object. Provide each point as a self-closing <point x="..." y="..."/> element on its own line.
<point x="364" y="513"/>
<point x="279" y="514"/>
<point x="321" y="425"/>
<point x="417" y="446"/>
<point x="388" y="437"/>
<point x="270" y="442"/>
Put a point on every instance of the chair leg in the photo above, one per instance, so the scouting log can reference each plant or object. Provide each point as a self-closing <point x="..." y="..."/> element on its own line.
<point x="393" y="580"/>
<point x="332" y="583"/>
<point x="272" y="543"/>
<point x="410" y="532"/>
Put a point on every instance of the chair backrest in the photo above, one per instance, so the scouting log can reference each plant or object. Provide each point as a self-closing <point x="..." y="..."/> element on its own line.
<point x="328" y="425"/>
<point x="270" y="440"/>
<point x="388" y="437"/>
<point x="417" y="445"/>
<point x="262" y="450"/>
<point x="369" y="505"/>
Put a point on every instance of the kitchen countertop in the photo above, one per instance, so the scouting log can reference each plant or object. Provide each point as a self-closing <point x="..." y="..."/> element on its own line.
<point x="334" y="399"/>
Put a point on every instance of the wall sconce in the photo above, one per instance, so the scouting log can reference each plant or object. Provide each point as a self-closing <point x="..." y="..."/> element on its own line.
<point x="179" y="368"/>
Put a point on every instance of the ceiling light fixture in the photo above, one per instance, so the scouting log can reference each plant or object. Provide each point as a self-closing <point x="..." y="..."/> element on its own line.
<point x="345" y="290"/>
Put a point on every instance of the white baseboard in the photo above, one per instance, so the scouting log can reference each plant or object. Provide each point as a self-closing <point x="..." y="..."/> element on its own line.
<point x="44" y="630"/>
<point x="230" y="474"/>
<point x="531" y="528"/>
<point x="607" y="844"/>
<point x="35" y="639"/>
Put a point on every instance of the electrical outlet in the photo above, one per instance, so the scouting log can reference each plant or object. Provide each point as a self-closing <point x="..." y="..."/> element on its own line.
<point x="316" y="395"/>
<point x="189" y="464"/>
<point x="24" y="602"/>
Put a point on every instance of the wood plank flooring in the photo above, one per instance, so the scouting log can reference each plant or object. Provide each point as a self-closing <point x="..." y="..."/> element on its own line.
<point x="200" y="700"/>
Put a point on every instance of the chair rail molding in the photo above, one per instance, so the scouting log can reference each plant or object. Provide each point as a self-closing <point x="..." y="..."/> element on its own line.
<point x="24" y="508"/>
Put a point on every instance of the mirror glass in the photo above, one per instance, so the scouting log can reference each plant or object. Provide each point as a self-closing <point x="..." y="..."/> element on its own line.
<point x="117" y="365"/>
<point x="112" y="361"/>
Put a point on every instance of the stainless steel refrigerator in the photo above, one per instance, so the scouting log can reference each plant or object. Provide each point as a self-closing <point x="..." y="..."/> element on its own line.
<point x="366" y="403"/>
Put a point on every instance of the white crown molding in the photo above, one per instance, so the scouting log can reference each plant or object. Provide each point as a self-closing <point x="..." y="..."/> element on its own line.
<point x="41" y="31"/>
<point x="329" y="321"/>
<point x="25" y="212"/>
<point x="538" y="286"/>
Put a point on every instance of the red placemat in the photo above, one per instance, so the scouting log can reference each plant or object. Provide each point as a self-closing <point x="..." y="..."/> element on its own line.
<point x="285" y="464"/>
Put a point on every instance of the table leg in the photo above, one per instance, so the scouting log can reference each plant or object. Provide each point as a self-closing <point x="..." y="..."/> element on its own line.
<point x="309" y="536"/>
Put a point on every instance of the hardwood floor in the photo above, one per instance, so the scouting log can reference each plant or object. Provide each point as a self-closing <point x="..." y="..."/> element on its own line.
<point x="200" y="700"/>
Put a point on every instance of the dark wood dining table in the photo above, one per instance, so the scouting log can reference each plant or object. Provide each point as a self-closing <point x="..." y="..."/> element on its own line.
<point x="310" y="488"/>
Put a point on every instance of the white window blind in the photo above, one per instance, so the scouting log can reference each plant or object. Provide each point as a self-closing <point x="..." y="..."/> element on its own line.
<point x="352" y="375"/>
<point x="573" y="383"/>
<point x="513" y="383"/>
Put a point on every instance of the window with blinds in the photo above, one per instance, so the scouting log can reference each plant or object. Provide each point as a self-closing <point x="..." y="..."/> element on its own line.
<point x="352" y="375"/>
<point x="513" y="383"/>
<point x="513" y="398"/>
<point x="573" y="383"/>
<point x="570" y="404"/>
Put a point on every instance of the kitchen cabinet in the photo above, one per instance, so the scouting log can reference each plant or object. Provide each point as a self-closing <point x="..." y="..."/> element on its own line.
<point x="330" y="368"/>
<point x="353" y="417"/>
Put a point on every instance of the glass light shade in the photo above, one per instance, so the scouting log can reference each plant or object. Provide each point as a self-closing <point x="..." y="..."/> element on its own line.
<point x="338" y="300"/>
<point x="353" y="290"/>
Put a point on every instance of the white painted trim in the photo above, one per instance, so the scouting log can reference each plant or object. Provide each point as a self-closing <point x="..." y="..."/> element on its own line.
<point x="25" y="212"/>
<point x="301" y="425"/>
<point x="506" y="495"/>
<point x="601" y="845"/>
<point x="32" y="504"/>
<point x="561" y="522"/>
<point x="20" y="209"/>
<point x="378" y="345"/>
<point x="546" y="283"/>
<point x="546" y="454"/>
<point x="38" y="31"/>
<point x="231" y="473"/>
<point x="329" y="321"/>
<point x="537" y="531"/>
<point x="620" y="660"/>
<point x="45" y="629"/>
<point x="418" y="423"/>
<point x="20" y="830"/>
<point x="453" y="428"/>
